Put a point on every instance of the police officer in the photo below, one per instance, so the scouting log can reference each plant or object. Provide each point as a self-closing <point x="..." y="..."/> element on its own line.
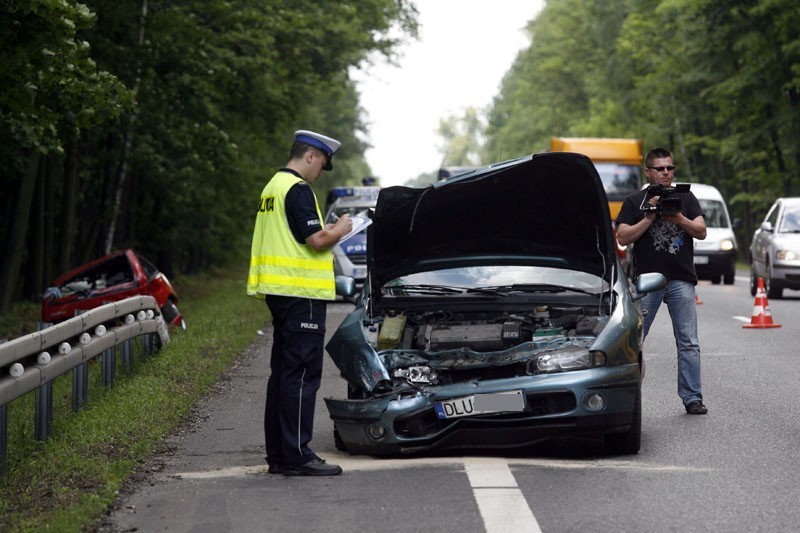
<point x="291" y="267"/>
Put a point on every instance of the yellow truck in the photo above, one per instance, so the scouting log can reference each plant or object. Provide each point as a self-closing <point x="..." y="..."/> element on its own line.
<point x="618" y="161"/>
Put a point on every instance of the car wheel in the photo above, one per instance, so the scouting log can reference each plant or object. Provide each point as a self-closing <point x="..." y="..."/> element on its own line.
<point x="730" y="276"/>
<point x="715" y="279"/>
<point x="753" y="280"/>
<point x="773" y="291"/>
<point x="629" y="442"/>
<point x="170" y="312"/>
<point x="338" y="442"/>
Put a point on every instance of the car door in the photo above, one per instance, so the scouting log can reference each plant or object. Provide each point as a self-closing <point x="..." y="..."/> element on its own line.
<point x="763" y="238"/>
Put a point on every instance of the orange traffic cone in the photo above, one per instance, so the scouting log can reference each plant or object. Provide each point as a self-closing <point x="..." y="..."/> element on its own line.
<point x="761" y="318"/>
<point x="697" y="299"/>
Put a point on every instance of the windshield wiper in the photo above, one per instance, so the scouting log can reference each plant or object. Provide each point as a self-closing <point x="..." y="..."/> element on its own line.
<point x="402" y="290"/>
<point x="530" y="287"/>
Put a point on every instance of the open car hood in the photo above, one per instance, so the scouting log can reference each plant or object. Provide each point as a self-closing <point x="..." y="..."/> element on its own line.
<point x="547" y="209"/>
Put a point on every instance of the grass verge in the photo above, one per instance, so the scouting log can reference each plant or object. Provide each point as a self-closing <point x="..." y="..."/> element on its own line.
<point x="69" y="481"/>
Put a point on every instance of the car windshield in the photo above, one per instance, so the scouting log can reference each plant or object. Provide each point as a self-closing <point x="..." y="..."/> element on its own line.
<point x="714" y="213"/>
<point x="619" y="178"/>
<point x="791" y="220"/>
<point x="115" y="271"/>
<point x="494" y="279"/>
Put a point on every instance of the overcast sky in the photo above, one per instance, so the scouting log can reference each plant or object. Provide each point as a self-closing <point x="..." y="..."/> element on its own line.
<point x="464" y="49"/>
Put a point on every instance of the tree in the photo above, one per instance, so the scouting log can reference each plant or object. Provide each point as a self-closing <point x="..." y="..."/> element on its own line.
<point x="50" y="90"/>
<point x="181" y="110"/>
<point x="462" y="139"/>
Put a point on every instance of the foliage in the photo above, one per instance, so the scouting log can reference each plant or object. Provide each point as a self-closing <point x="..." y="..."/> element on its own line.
<point x="718" y="81"/>
<point x="461" y="138"/>
<point x="153" y="124"/>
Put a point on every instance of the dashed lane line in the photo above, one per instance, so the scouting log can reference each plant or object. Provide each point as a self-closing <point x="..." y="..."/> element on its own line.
<point x="501" y="503"/>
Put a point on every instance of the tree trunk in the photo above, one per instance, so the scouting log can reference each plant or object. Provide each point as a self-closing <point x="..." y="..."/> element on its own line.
<point x="126" y="148"/>
<point x="17" y="231"/>
<point x="69" y="202"/>
<point x="49" y="217"/>
<point x="34" y="270"/>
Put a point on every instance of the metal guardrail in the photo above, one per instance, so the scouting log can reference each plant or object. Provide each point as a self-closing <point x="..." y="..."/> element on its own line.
<point x="32" y="362"/>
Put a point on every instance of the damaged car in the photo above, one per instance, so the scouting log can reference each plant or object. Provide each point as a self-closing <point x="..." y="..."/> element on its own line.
<point x="495" y="314"/>
<point x="114" y="277"/>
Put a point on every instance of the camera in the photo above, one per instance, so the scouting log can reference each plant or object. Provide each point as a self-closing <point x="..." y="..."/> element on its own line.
<point x="669" y="198"/>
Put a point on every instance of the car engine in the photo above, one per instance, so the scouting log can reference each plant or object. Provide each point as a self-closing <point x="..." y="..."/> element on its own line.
<point x="434" y="331"/>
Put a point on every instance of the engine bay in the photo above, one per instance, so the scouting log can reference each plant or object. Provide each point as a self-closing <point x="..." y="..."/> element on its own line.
<point x="438" y="347"/>
<point x="440" y="330"/>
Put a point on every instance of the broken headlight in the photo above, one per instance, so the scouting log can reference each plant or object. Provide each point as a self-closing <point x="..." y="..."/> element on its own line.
<point x="417" y="375"/>
<point x="573" y="358"/>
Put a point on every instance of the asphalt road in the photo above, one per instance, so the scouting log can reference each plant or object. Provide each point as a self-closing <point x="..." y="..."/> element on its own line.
<point x="735" y="469"/>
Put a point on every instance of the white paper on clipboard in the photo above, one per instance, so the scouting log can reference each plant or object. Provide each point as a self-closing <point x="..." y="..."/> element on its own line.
<point x="359" y="224"/>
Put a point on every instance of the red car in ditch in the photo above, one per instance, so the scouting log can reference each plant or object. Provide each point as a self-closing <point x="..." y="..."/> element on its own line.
<point x="111" y="278"/>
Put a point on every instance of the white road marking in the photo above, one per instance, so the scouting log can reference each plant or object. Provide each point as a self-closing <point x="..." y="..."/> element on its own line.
<point x="743" y="319"/>
<point x="489" y="473"/>
<point x="366" y="463"/>
<point x="502" y="505"/>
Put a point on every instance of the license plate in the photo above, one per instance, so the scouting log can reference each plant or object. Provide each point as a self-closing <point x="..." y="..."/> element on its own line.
<point x="478" y="404"/>
<point x="700" y="259"/>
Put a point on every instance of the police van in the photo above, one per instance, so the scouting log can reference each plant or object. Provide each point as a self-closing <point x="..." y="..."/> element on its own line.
<point x="350" y="257"/>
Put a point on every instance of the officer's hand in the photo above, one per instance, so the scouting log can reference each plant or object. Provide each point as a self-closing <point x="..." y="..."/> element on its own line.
<point x="344" y="224"/>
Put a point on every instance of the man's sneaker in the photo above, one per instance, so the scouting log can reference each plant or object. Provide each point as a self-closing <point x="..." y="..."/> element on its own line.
<point x="696" y="408"/>
<point x="315" y="467"/>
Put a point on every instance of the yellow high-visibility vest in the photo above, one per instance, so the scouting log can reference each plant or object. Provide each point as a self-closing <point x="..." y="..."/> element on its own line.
<point x="278" y="263"/>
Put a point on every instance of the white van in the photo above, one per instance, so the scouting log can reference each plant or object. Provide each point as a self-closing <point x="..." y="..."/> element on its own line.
<point x="715" y="256"/>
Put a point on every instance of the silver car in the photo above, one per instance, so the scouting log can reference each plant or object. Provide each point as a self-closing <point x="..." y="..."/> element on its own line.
<point x="775" y="250"/>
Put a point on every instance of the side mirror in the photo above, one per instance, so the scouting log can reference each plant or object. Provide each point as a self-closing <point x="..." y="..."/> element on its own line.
<point x="767" y="226"/>
<point x="649" y="282"/>
<point x="345" y="286"/>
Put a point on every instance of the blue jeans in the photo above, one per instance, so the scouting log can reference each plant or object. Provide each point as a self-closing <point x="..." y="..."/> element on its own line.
<point x="680" y="299"/>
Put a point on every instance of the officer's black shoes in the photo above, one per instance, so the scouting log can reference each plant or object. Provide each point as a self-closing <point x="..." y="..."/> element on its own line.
<point x="696" y="408"/>
<point x="315" y="467"/>
<point x="276" y="469"/>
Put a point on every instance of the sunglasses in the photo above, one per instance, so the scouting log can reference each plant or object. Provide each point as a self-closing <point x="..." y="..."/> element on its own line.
<point x="669" y="168"/>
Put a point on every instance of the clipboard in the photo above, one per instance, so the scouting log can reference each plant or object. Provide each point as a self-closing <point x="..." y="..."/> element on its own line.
<point x="359" y="224"/>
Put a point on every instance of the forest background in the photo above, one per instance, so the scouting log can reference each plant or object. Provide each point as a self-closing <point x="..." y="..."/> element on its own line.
<point x="154" y="124"/>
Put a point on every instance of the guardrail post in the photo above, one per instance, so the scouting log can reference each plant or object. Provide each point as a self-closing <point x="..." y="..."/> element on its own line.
<point x="80" y="386"/>
<point x="127" y="353"/>
<point x="109" y="366"/>
<point x="58" y="339"/>
<point x="3" y="441"/>
<point x="44" y="410"/>
<point x="147" y="344"/>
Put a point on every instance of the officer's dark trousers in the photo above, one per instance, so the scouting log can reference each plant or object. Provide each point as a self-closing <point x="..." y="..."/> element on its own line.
<point x="296" y="370"/>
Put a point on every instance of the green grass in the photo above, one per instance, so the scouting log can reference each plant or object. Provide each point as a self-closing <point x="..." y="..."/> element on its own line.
<point x="20" y="320"/>
<point x="68" y="482"/>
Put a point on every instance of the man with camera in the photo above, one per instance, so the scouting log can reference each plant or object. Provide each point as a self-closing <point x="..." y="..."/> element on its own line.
<point x="661" y="221"/>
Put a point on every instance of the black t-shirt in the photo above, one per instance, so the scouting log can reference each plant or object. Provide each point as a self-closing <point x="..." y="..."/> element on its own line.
<point x="664" y="247"/>
<point x="301" y="210"/>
